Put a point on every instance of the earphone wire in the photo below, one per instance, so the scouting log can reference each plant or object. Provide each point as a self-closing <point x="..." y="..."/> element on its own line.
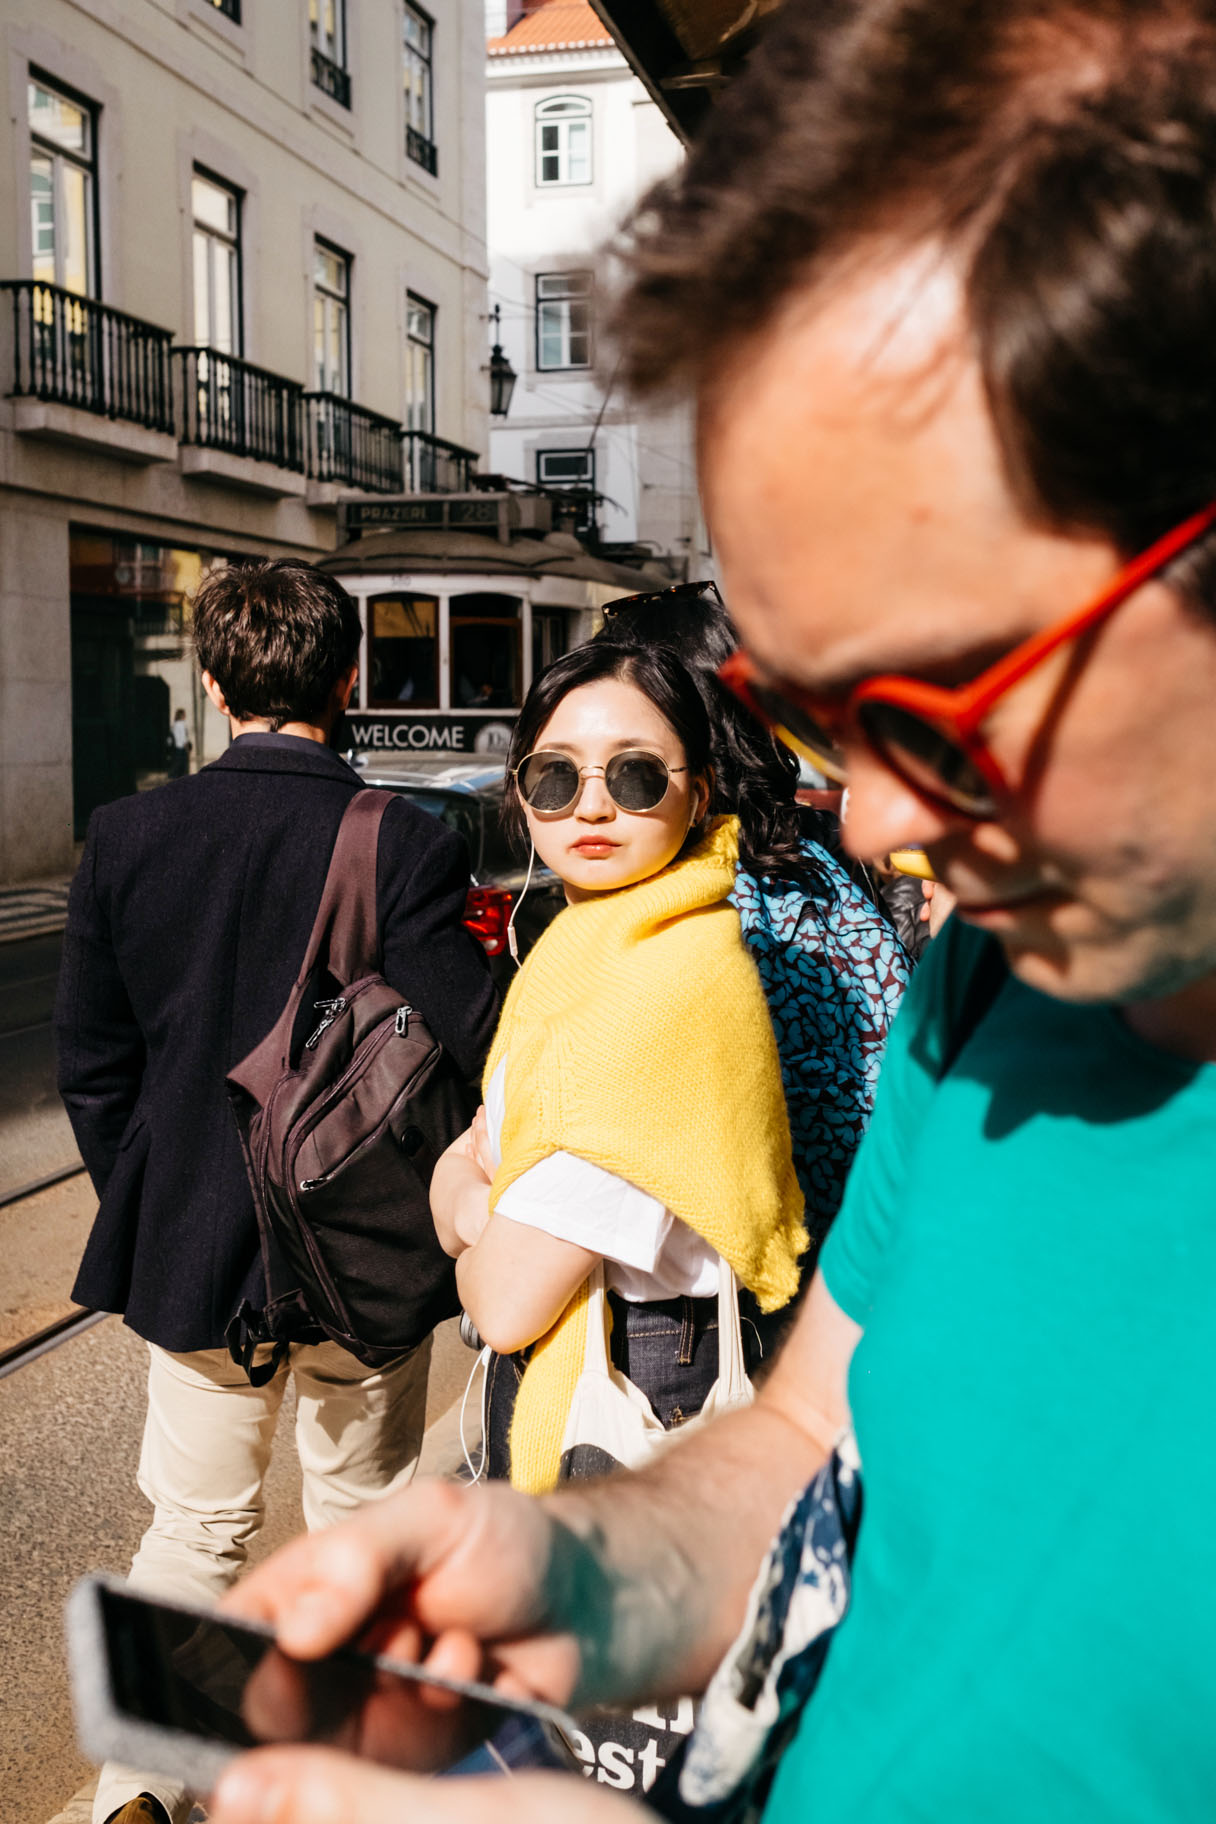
<point x="512" y="938"/>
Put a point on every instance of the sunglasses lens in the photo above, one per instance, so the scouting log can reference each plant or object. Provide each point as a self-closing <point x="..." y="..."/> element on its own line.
<point x="799" y="730"/>
<point x="928" y="759"/>
<point x="637" y="782"/>
<point x="548" y="782"/>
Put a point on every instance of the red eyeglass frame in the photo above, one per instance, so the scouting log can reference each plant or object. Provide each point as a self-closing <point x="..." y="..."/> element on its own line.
<point x="958" y="713"/>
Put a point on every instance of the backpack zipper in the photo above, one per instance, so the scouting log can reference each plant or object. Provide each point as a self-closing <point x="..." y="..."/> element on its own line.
<point x="362" y="1054"/>
<point x="330" y="1011"/>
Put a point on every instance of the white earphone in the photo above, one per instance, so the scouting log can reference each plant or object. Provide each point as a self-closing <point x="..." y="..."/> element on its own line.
<point x="512" y="939"/>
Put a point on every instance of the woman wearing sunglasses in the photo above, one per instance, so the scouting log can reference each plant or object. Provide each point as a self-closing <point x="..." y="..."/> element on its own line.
<point x="633" y="1103"/>
<point x="832" y="964"/>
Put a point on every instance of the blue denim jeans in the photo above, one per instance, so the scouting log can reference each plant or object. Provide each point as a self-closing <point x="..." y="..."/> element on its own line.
<point x="668" y="1348"/>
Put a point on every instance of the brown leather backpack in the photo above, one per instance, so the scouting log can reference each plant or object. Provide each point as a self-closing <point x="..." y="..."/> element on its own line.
<point x="341" y="1130"/>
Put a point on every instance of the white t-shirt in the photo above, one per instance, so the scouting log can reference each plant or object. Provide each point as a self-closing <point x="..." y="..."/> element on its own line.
<point x="648" y="1253"/>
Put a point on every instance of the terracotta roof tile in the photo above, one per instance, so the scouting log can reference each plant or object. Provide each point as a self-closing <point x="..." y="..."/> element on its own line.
<point x="555" y="25"/>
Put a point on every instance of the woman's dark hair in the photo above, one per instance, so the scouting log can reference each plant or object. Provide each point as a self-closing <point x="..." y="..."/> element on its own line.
<point x="276" y="636"/>
<point x="1061" y="152"/>
<point x="755" y="777"/>
<point x="659" y="676"/>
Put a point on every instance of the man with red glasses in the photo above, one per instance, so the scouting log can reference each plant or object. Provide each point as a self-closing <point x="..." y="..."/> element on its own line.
<point x="943" y="283"/>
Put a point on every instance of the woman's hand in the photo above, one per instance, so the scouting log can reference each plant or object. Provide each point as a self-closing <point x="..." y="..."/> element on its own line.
<point x="482" y="1151"/>
<point x="460" y="1195"/>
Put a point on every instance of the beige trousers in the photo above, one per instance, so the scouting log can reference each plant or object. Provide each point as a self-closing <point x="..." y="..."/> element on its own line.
<point x="203" y="1465"/>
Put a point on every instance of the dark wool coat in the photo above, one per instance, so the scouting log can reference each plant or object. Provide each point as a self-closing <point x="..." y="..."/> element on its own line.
<point x="187" y="925"/>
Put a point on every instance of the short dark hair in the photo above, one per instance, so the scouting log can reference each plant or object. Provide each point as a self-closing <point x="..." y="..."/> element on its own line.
<point x="659" y="676"/>
<point x="1064" y="153"/>
<point x="276" y="636"/>
<point x="755" y="777"/>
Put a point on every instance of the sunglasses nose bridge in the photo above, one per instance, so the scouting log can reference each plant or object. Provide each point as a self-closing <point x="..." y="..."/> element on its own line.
<point x="593" y="799"/>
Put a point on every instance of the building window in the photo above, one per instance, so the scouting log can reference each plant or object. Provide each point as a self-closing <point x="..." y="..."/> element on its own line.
<point x="419" y="365"/>
<point x="231" y="9"/>
<point x="331" y="320"/>
<point x="418" y="32"/>
<point x="563" y="319"/>
<point x="570" y="469"/>
<point x="563" y="140"/>
<point x="327" y="32"/>
<point x="217" y="264"/>
<point x="403" y="651"/>
<point x="63" y="188"/>
<point x="484" y="636"/>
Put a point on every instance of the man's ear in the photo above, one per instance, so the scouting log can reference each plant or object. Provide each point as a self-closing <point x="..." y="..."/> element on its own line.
<point x="216" y="694"/>
<point x="345" y="689"/>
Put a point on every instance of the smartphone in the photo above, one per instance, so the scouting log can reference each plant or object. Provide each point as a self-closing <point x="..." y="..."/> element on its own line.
<point x="181" y="1691"/>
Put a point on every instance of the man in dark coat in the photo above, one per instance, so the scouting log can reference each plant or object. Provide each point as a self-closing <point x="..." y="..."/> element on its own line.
<point x="187" y="925"/>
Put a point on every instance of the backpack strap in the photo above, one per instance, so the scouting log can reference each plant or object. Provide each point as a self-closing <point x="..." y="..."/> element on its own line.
<point x="344" y="937"/>
<point x="345" y="933"/>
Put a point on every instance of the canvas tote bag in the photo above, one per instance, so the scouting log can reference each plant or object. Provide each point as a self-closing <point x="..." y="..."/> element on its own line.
<point x="611" y="1423"/>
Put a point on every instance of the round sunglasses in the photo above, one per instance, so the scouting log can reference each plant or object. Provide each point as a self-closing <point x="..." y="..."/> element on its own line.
<point x="635" y="779"/>
<point x="932" y="737"/>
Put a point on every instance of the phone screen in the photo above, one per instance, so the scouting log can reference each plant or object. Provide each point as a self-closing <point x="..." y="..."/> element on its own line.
<point x="225" y="1682"/>
<point x="180" y="1671"/>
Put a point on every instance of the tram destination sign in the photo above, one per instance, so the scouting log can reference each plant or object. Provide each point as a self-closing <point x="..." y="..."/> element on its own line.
<point x="390" y="732"/>
<point x="479" y="513"/>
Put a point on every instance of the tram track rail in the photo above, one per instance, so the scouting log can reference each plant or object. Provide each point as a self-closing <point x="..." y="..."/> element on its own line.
<point x="64" y="1329"/>
<point x="30" y="1348"/>
<point x="39" y="1184"/>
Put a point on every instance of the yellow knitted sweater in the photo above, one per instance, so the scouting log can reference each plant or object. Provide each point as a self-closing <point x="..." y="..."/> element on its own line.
<point x="638" y="1037"/>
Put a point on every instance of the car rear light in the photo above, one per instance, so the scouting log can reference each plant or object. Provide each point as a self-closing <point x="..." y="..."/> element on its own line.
<point x="486" y="914"/>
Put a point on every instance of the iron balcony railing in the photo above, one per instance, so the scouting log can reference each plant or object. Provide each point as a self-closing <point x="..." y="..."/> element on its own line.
<point x="422" y="150"/>
<point x="348" y="443"/>
<point x="230" y="405"/>
<point x="435" y="466"/>
<point x="330" y="78"/>
<point x="74" y="351"/>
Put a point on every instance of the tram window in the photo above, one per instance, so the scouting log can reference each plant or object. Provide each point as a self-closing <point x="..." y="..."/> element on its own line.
<point x="550" y="638"/>
<point x="403" y="652"/>
<point x="485" y="651"/>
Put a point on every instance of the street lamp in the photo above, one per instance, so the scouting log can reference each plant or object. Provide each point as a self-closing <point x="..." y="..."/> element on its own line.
<point x="502" y="374"/>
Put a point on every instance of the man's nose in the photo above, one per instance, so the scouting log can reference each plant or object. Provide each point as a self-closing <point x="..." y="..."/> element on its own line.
<point x="884" y="812"/>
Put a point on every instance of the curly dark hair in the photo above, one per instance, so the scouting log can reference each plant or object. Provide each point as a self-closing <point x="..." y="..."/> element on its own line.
<point x="755" y="777"/>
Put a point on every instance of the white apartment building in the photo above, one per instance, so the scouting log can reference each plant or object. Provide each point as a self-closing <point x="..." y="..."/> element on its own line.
<point x="572" y="141"/>
<point x="242" y="274"/>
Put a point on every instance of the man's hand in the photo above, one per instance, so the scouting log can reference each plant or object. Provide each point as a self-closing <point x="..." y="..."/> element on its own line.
<point x="317" y="1786"/>
<point x="464" y="1579"/>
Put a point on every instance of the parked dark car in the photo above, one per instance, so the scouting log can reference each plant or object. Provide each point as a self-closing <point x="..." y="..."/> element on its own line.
<point x="467" y="796"/>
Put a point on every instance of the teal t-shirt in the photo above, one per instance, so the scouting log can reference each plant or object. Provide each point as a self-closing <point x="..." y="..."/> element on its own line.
<point x="1030" y="1246"/>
